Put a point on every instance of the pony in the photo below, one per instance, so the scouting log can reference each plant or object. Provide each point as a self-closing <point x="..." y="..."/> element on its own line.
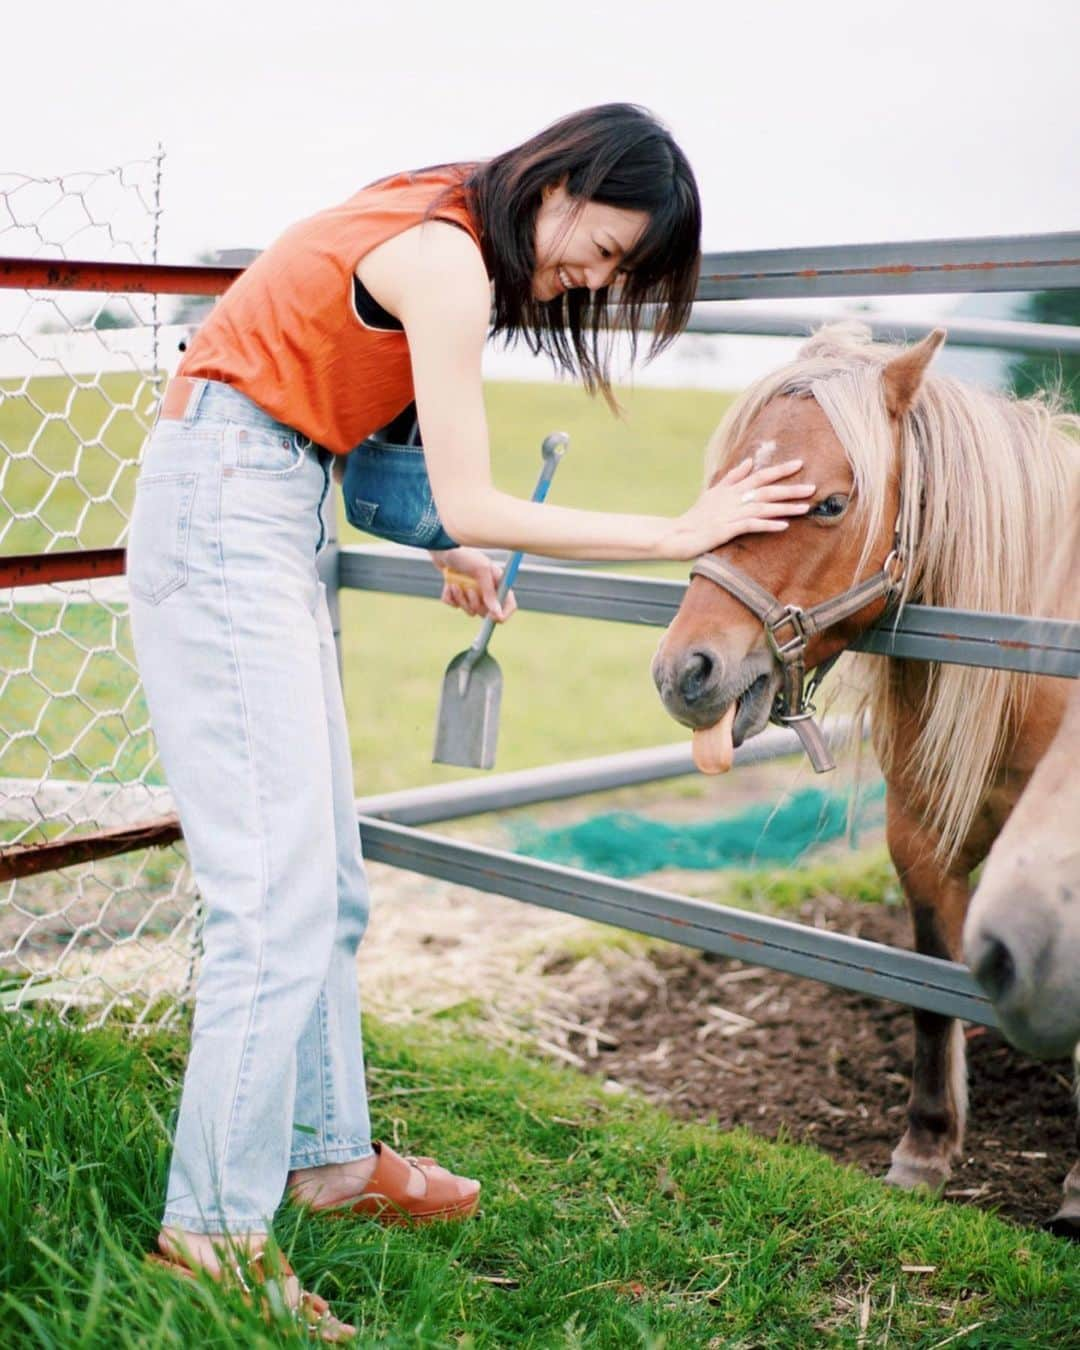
<point x="1022" y="933"/>
<point x="928" y="490"/>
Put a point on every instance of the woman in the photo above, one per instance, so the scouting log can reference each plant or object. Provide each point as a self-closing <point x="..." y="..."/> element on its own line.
<point x="328" y="336"/>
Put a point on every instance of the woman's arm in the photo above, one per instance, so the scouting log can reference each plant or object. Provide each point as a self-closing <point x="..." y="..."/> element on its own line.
<point x="432" y="278"/>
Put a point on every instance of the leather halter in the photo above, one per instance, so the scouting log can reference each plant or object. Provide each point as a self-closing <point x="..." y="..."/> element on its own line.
<point x="793" y="705"/>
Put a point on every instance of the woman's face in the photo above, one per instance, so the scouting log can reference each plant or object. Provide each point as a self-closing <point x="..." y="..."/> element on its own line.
<point x="582" y="250"/>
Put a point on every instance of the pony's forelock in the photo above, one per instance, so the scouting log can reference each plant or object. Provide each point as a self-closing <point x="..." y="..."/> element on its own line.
<point x="981" y="476"/>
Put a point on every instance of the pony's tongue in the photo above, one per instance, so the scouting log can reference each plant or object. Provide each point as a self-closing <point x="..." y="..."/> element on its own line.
<point x="713" y="748"/>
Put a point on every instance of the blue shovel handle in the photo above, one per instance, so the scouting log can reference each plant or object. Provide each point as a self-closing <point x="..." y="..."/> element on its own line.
<point x="553" y="449"/>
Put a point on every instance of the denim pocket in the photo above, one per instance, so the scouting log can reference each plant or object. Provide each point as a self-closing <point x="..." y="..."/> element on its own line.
<point x="160" y="526"/>
<point x="262" y="452"/>
<point x="387" y="492"/>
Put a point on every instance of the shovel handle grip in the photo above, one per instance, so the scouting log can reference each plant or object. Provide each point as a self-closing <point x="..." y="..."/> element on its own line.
<point x="553" y="449"/>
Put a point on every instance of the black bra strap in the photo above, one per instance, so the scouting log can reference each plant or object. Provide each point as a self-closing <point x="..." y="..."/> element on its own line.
<point x="371" y="312"/>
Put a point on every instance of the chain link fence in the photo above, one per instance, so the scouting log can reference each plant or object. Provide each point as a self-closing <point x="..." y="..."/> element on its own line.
<point x="80" y="377"/>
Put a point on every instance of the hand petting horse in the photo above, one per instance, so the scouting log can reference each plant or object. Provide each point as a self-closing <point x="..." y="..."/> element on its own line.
<point x="931" y="491"/>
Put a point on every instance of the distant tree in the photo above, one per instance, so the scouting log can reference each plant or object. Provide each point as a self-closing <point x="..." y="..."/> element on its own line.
<point x="111" y="318"/>
<point x="1049" y="370"/>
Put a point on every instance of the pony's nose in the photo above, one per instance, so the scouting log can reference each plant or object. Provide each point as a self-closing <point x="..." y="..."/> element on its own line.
<point x="993" y="965"/>
<point x="695" y="676"/>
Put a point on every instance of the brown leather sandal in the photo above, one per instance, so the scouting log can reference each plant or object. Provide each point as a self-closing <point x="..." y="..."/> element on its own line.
<point x="386" y="1196"/>
<point x="311" y="1311"/>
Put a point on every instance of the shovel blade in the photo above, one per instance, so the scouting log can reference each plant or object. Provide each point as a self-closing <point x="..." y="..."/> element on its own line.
<point x="467" y="729"/>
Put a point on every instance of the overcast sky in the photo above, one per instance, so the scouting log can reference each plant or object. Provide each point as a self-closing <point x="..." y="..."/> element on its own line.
<point x="844" y="120"/>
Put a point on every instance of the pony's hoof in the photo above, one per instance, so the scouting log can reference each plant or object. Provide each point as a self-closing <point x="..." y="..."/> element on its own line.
<point x="914" y="1176"/>
<point x="1064" y="1225"/>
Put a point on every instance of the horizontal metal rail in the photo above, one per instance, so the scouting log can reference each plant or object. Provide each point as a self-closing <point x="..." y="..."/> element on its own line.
<point x="995" y="334"/>
<point x="46" y="569"/>
<point x="573" y="778"/>
<point x="955" y="636"/>
<point x="1026" y="262"/>
<point x="834" y="958"/>
<point x="64" y="274"/>
<point x="1022" y="262"/>
<point x="29" y="860"/>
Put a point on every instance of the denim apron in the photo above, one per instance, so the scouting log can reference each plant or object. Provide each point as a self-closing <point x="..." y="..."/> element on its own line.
<point x="386" y="488"/>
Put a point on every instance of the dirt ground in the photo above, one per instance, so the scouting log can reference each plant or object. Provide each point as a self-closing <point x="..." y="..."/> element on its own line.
<point x="713" y="1040"/>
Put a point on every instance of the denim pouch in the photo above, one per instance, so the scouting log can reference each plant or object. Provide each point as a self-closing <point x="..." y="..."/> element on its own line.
<point x="387" y="491"/>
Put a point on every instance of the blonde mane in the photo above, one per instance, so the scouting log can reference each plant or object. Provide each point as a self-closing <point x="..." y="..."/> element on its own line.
<point x="986" y="483"/>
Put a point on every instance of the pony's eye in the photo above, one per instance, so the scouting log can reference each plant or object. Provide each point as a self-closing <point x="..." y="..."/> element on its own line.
<point x="831" y="508"/>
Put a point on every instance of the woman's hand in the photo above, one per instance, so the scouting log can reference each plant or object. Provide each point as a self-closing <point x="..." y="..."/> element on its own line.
<point x="472" y="583"/>
<point x="744" y="501"/>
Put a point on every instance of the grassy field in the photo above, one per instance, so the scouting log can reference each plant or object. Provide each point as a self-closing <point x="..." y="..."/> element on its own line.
<point x="571" y="687"/>
<point x="604" y="1223"/>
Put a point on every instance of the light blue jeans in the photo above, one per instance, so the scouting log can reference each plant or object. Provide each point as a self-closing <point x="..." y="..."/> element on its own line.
<point x="237" y="658"/>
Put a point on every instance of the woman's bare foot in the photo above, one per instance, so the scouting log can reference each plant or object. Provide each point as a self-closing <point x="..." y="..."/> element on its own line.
<point x="335" y="1183"/>
<point x="215" y="1252"/>
<point x="207" y="1251"/>
<point x="402" y="1187"/>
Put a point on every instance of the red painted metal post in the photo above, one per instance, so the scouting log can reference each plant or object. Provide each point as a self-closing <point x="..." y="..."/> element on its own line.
<point x="44" y="569"/>
<point x="63" y="274"/>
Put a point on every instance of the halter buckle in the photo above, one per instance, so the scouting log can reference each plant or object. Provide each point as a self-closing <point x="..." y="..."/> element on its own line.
<point x="793" y="615"/>
<point x="785" y="719"/>
<point x="894" y="567"/>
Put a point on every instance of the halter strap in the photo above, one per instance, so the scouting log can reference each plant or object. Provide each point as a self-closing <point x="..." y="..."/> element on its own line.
<point x="793" y="706"/>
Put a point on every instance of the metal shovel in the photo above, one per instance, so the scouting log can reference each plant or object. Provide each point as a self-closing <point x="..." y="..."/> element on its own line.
<point x="468" y="726"/>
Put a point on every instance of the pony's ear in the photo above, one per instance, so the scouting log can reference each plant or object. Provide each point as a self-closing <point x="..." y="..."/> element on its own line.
<point x="903" y="374"/>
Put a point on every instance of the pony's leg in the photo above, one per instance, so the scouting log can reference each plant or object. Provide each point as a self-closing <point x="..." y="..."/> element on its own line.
<point x="1066" y="1222"/>
<point x="937" y="1107"/>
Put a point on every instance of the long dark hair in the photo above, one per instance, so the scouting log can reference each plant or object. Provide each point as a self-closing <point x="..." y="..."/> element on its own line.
<point x="617" y="154"/>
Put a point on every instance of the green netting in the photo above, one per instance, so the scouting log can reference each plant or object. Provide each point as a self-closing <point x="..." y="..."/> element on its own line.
<point x="621" y="844"/>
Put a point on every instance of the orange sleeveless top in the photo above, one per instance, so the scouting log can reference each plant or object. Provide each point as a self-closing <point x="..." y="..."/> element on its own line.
<point x="286" y="332"/>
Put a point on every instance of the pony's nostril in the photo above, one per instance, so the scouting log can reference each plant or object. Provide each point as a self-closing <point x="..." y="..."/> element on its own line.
<point x="995" y="968"/>
<point x="695" y="675"/>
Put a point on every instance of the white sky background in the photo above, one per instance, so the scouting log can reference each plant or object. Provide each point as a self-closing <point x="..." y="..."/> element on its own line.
<point x="841" y="121"/>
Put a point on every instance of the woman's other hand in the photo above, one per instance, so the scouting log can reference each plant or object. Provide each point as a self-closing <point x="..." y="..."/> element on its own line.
<point x="745" y="501"/>
<point x="470" y="582"/>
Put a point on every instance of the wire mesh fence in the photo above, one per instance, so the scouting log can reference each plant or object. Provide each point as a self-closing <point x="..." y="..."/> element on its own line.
<point x="80" y="377"/>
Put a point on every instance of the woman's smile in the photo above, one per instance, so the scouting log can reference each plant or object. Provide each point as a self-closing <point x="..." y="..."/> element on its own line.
<point x="580" y="245"/>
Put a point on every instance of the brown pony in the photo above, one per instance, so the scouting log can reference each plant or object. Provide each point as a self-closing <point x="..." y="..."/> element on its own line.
<point x="1022" y="935"/>
<point x="945" y="491"/>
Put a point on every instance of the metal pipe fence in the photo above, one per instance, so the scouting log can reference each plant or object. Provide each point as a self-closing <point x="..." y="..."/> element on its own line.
<point x="1035" y="645"/>
<point x="1021" y="262"/>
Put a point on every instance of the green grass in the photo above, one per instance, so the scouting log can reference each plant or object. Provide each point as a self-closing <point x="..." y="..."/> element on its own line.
<point x="71" y="449"/>
<point x="571" y="687"/>
<point x="604" y="1223"/>
<point x="866" y="877"/>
